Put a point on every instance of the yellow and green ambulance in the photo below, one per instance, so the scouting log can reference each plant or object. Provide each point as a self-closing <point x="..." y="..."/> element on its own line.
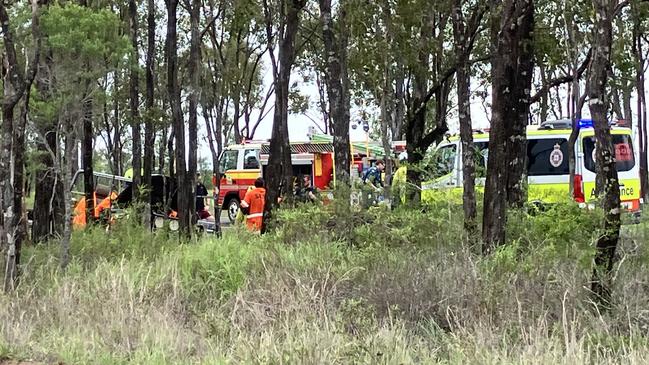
<point x="548" y="171"/>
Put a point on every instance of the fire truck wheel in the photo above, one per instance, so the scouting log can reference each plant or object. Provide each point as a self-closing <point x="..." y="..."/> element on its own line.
<point x="233" y="209"/>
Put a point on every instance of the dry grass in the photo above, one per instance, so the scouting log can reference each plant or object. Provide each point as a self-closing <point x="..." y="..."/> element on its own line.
<point x="255" y="300"/>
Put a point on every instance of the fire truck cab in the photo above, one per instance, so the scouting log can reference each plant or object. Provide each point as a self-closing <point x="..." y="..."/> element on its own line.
<point x="241" y="164"/>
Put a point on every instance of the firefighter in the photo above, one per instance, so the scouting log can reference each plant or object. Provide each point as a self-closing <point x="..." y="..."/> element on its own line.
<point x="241" y="217"/>
<point x="253" y="205"/>
<point x="79" y="218"/>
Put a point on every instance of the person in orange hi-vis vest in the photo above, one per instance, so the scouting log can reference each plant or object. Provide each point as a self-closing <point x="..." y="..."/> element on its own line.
<point x="254" y="203"/>
<point x="79" y="216"/>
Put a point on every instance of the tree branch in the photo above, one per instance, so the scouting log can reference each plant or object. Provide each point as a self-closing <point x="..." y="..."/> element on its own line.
<point x="440" y="83"/>
<point x="621" y="5"/>
<point x="561" y="80"/>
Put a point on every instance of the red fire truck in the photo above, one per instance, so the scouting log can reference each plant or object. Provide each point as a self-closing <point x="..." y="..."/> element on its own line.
<point x="241" y="164"/>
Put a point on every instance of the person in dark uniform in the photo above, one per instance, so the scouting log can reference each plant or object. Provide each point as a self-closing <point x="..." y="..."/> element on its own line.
<point x="202" y="209"/>
<point x="373" y="180"/>
<point x="373" y="175"/>
<point x="306" y="192"/>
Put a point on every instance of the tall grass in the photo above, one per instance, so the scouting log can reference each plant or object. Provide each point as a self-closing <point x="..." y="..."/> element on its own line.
<point x="362" y="287"/>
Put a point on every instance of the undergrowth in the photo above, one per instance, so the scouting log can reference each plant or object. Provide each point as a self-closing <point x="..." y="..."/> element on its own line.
<point x="332" y="285"/>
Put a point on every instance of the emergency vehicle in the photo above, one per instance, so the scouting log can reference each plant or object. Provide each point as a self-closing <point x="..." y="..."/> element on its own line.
<point x="548" y="171"/>
<point x="241" y="164"/>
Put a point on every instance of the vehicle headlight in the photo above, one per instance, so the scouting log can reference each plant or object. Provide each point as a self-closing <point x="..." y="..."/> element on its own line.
<point x="158" y="222"/>
<point x="173" y="225"/>
<point x="330" y="196"/>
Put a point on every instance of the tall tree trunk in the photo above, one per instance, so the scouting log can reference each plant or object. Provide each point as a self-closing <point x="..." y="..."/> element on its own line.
<point x="607" y="185"/>
<point x="386" y="95"/>
<point x="194" y="96"/>
<point x="87" y="154"/>
<point x="16" y="84"/>
<point x="519" y="117"/>
<point x="400" y="105"/>
<point x="162" y="148"/>
<point x="63" y="163"/>
<point x="511" y="70"/>
<point x="87" y="140"/>
<point x="641" y="105"/>
<point x="19" y="218"/>
<point x="134" y="101"/>
<point x="335" y="51"/>
<point x="149" y="130"/>
<point x="416" y="126"/>
<point x="117" y="129"/>
<point x="48" y="209"/>
<point x="173" y="88"/>
<point x="279" y="172"/>
<point x="236" y="101"/>
<point x="463" y="75"/>
<point x="171" y="154"/>
<point x="214" y="130"/>
<point x="576" y="101"/>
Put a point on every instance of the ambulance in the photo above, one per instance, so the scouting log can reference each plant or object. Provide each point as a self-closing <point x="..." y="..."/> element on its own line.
<point x="547" y="164"/>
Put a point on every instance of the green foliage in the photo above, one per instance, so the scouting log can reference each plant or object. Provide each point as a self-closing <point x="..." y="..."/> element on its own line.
<point x="216" y="269"/>
<point x="542" y="239"/>
<point x="79" y="32"/>
<point x="406" y="290"/>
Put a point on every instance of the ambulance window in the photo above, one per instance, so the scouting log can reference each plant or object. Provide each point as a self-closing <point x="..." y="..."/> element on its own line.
<point x="547" y="157"/>
<point x="250" y="160"/>
<point x="480" y="157"/>
<point x="445" y="160"/>
<point x="229" y="160"/>
<point x="624" y="158"/>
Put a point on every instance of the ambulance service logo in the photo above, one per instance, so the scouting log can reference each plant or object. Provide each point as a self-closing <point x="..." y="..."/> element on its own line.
<point x="556" y="156"/>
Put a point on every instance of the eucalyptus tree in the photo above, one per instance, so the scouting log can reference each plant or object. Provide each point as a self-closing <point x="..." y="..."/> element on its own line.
<point x="512" y="25"/>
<point x="465" y="30"/>
<point x="402" y="54"/>
<point x="336" y="38"/>
<point x="376" y="63"/>
<point x="178" y="122"/>
<point x="134" y="98"/>
<point x="81" y="41"/>
<point x="639" y="14"/>
<point x="16" y="85"/>
<point x="235" y="50"/>
<point x="194" y="91"/>
<point x="149" y="118"/>
<point x="282" y="24"/>
<point x="607" y="185"/>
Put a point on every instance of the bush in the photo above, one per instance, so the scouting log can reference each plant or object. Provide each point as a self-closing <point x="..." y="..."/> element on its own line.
<point x="332" y="285"/>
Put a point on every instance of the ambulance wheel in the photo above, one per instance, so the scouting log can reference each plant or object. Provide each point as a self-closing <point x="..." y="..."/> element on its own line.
<point x="233" y="209"/>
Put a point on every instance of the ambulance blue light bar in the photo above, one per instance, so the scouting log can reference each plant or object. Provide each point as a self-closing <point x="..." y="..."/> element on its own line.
<point x="585" y="123"/>
<point x="588" y="123"/>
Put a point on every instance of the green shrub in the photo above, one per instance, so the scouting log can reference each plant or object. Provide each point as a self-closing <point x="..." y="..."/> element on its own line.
<point x="214" y="269"/>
